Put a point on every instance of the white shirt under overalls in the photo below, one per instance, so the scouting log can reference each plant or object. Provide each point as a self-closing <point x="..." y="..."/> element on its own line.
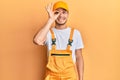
<point x="62" y="37"/>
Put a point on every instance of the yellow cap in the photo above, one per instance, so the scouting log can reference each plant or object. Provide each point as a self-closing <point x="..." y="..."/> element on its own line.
<point x="60" y="4"/>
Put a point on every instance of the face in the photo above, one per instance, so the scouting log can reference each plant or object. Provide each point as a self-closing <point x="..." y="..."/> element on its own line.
<point x="62" y="18"/>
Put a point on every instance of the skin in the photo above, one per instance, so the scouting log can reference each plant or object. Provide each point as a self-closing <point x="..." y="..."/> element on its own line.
<point x="59" y="16"/>
<point x="61" y="19"/>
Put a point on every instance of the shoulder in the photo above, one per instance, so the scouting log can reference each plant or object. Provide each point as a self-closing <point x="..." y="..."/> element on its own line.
<point x="76" y="32"/>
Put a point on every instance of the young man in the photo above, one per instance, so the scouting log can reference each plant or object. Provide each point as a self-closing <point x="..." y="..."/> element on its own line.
<point x="65" y="61"/>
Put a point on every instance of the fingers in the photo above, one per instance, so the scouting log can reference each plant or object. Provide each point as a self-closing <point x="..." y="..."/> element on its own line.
<point x="56" y="14"/>
<point x="52" y="14"/>
<point x="49" y="7"/>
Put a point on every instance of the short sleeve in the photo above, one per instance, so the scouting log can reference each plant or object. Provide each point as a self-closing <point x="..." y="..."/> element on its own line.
<point x="79" y="42"/>
<point x="48" y="38"/>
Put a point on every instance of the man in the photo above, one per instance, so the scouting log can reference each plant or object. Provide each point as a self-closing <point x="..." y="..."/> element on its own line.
<point x="65" y="61"/>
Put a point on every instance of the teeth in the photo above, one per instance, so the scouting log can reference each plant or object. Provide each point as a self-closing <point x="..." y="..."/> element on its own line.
<point x="60" y="19"/>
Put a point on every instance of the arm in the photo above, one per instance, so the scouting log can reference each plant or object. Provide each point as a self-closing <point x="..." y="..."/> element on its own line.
<point x="79" y="63"/>
<point x="42" y="34"/>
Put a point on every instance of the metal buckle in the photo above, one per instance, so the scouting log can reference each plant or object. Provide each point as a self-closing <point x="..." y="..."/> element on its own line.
<point x="70" y="42"/>
<point x="53" y="41"/>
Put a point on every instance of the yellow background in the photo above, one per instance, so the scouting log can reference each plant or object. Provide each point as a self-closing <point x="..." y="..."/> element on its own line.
<point x="97" y="20"/>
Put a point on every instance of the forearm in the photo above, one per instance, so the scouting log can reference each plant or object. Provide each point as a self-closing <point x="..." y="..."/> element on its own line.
<point x="80" y="68"/>
<point x="80" y="65"/>
<point x="42" y="34"/>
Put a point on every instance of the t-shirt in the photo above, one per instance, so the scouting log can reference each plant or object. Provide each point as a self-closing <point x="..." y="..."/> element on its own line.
<point x="62" y="37"/>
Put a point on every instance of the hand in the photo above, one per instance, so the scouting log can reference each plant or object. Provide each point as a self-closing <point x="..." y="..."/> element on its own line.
<point x="52" y="14"/>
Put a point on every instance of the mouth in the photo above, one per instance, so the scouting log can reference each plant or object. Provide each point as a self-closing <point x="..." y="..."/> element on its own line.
<point x="61" y="19"/>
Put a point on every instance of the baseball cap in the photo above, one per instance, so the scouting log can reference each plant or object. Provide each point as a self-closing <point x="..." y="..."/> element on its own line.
<point x="60" y="4"/>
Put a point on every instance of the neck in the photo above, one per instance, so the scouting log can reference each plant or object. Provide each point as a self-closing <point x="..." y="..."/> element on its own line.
<point x="61" y="26"/>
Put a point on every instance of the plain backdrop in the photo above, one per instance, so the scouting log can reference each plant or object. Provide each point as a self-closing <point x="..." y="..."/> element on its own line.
<point x="97" y="20"/>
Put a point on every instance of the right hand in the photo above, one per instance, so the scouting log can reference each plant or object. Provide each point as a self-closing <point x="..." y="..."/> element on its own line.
<point x="52" y="14"/>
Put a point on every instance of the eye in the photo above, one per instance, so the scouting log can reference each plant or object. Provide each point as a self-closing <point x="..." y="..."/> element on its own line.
<point x="64" y="12"/>
<point x="56" y="12"/>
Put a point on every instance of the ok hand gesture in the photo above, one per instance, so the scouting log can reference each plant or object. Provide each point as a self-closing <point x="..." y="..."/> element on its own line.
<point x="52" y="14"/>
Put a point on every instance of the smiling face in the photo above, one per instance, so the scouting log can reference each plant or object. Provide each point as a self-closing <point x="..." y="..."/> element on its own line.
<point x="62" y="18"/>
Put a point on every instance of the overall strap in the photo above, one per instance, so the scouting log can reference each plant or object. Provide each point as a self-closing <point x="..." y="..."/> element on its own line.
<point x="70" y="39"/>
<point x="53" y="40"/>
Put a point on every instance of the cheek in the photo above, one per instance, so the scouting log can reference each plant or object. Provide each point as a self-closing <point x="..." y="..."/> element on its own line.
<point x="66" y="15"/>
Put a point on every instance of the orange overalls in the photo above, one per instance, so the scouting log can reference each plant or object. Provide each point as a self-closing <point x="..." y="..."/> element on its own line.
<point x="60" y="65"/>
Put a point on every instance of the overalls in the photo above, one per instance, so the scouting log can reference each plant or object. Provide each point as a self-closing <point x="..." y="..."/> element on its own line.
<point x="60" y="65"/>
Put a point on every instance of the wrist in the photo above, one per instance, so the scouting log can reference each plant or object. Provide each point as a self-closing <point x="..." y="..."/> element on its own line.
<point x="51" y="20"/>
<point x="81" y="78"/>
